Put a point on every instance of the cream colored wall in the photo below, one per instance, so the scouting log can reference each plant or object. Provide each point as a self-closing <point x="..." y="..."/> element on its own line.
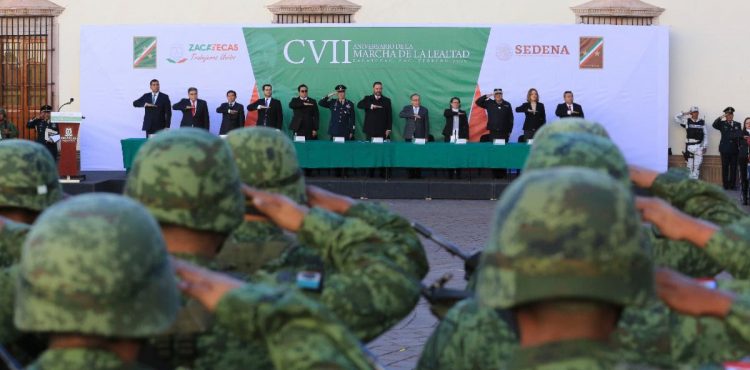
<point x="708" y="38"/>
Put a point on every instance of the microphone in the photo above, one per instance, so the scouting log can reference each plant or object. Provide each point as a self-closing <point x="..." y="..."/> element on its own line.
<point x="60" y="107"/>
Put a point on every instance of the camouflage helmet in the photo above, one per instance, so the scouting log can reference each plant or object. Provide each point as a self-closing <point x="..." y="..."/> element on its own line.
<point x="96" y="264"/>
<point x="579" y="150"/>
<point x="28" y="176"/>
<point x="267" y="160"/>
<point x="188" y="178"/>
<point x="565" y="233"/>
<point x="570" y="125"/>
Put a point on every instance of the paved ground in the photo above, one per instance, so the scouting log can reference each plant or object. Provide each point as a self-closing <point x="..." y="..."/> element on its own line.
<point x="464" y="222"/>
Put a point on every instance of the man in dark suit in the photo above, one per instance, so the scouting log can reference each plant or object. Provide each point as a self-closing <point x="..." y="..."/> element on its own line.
<point x="194" y="110"/>
<point x="417" y="119"/>
<point x="157" y="115"/>
<point x="378" y="113"/>
<point x="499" y="114"/>
<point x="305" y="120"/>
<point x="232" y="114"/>
<point x="269" y="109"/>
<point x="342" y="114"/>
<point x="731" y="134"/>
<point x="569" y="108"/>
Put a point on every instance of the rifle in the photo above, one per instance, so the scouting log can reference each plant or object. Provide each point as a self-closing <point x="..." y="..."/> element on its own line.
<point x="471" y="262"/>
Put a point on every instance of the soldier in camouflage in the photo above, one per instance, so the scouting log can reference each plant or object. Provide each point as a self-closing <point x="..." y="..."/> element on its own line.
<point x="189" y="182"/>
<point x="28" y="185"/>
<point x="565" y="255"/>
<point x="460" y="342"/>
<point x="95" y="277"/>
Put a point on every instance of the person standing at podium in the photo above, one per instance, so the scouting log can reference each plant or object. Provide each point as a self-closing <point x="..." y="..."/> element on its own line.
<point x="194" y="110"/>
<point x="41" y="123"/>
<point x="157" y="113"/>
<point x="232" y="114"/>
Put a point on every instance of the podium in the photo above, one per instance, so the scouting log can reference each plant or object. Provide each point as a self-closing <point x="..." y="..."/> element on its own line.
<point x="68" y="124"/>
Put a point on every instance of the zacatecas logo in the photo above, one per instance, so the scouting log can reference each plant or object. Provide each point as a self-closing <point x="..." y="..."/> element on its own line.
<point x="591" y="53"/>
<point x="347" y="52"/>
<point x="144" y="52"/>
<point x="203" y="53"/>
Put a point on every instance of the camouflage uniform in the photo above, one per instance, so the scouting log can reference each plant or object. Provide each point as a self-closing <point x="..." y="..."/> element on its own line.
<point x="565" y="233"/>
<point x="188" y="178"/>
<point x="28" y="180"/>
<point x="95" y="265"/>
<point x="640" y="329"/>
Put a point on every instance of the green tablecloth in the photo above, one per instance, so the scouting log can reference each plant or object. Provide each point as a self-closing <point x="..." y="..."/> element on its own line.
<point x="326" y="154"/>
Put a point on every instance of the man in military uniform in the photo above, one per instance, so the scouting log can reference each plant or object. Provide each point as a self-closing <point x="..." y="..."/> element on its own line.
<point x="7" y="129"/>
<point x="41" y="123"/>
<point x="499" y="114"/>
<point x="189" y="182"/>
<point x="731" y="133"/>
<point x="342" y="114"/>
<point x="696" y="141"/>
<point x="94" y="322"/>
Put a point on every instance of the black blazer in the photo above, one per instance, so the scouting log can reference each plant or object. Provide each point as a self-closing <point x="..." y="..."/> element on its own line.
<point x="534" y="120"/>
<point x="562" y="111"/>
<point x="463" y="124"/>
<point x="731" y="134"/>
<point x="231" y="121"/>
<point x="155" y="118"/>
<point x="499" y="115"/>
<point x="200" y="120"/>
<point x="305" y="118"/>
<point x="418" y="128"/>
<point x="272" y="116"/>
<point x="378" y="120"/>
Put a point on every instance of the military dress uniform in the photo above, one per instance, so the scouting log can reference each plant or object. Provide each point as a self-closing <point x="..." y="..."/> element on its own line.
<point x="731" y="133"/>
<point x="341" y="123"/>
<point x="41" y="126"/>
<point x="499" y="116"/>
<point x="696" y="141"/>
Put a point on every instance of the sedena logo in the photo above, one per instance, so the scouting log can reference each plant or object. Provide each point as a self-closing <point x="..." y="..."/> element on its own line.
<point x="144" y="52"/>
<point x="591" y="53"/>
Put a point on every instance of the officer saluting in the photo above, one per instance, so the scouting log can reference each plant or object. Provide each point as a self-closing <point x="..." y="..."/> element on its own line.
<point x="342" y="114"/>
<point x="731" y="133"/>
<point x="499" y="114"/>
<point x="41" y="123"/>
<point x="696" y="141"/>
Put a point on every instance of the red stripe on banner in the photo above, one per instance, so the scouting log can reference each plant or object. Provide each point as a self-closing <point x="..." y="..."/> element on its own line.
<point x="252" y="117"/>
<point x="477" y="118"/>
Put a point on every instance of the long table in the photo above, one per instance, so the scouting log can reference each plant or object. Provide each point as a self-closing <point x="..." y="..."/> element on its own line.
<point x="327" y="154"/>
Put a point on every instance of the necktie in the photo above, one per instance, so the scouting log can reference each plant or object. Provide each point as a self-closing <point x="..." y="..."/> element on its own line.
<point x="153" y="99"/>
<point x="570" y="108"/>
<point x="193" y="108"/>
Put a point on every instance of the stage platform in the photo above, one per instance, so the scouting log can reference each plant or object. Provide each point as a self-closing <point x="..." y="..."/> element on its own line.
<point x="434" y="184"/>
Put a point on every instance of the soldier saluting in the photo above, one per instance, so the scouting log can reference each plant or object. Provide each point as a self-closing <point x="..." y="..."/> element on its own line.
<point x="342" y="113"/>
<point x="41" y="123"/>
<point x="731" y="133"/>
<point x="696" y="140"/>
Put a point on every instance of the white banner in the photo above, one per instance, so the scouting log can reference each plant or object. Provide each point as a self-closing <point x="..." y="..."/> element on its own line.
<point x="620" y="75"/>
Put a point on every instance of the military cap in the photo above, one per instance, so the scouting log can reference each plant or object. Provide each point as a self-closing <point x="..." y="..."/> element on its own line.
<point x="565" y="233"/>
<point x="188" y="178"/>
<point x="28" y="176"/>
<point x="575" y="149"/>
<point x="96" y="264"/>
<point x="340" y="88"/>
<point x="266" y="159"/>
<point x="46" y="108"/>
<point x="729" y="110"/>
<point x="498" y="91"/>
<point x="694" y="109"/>
<point x="570" y="125"/>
